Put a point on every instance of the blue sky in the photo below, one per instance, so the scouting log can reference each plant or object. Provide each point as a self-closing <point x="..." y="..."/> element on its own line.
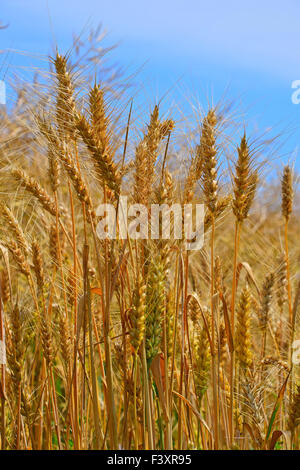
<point x="197" y="48"/>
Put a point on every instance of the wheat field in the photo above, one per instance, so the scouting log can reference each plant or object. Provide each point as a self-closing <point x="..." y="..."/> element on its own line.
<point x="142" y="344"/>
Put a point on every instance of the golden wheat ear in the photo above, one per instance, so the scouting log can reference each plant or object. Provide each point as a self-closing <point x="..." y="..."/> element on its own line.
<point x="146" y="154"/>
<point x="101" y="157"/>
<point x="65" y="102"/>
<point x="244" y="182"/>
<point x="15" y="228"/>
<point x="34" y="188"/>
<point x="287" y="192"/>
<point x="38" y="264"/>
<point x="209" y="160"/>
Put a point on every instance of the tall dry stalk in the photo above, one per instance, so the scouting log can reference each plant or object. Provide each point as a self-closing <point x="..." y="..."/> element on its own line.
<point x="244" y="186"/>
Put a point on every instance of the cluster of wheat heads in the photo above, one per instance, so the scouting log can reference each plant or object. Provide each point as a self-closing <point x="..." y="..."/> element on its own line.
<point x="140" y="344"/>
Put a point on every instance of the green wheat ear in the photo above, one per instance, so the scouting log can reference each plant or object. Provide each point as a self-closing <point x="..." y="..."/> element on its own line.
<point x="155" y="302"/>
